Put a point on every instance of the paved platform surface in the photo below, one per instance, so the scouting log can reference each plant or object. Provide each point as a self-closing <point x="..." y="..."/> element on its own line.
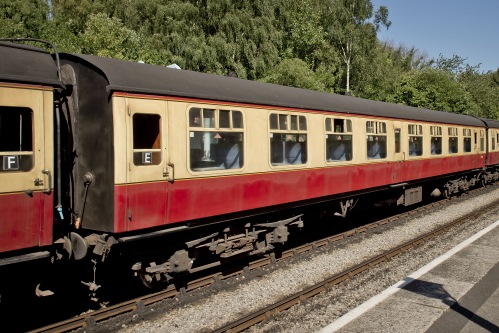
<point x="457" y="292"/>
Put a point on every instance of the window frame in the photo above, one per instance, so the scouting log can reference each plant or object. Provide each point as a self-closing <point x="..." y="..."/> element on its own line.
<point x="207" y="127"/>
<point x="347" y="131"/>
<point x="436" y="133"/>
<point x="376" y="129"/>
<point x="452" y="133"/>
<point x="284" y="127"/>
<point x="20" y="160"/>
<point x="467" y="135"/>
<point x="415" y="132"/>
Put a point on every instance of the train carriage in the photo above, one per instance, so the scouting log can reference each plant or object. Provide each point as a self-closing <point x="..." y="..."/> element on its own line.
<point x="28" y="80"/>
<point x="492" y="143"/>
<point x="165" y="148"/>
<point x="148" y="159"/>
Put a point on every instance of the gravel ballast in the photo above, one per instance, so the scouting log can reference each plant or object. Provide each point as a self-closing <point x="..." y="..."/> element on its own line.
<point x="216" y="309"/>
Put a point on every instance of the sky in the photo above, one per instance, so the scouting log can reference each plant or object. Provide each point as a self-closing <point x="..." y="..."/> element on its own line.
<point x="467" y="28"/>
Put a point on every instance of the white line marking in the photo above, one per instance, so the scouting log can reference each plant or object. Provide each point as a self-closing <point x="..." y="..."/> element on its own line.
<point x="371" y="303"/>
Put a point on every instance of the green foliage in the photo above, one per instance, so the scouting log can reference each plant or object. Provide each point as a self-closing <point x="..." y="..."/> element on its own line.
<point x="295" y="73"/>
<point x="327" y="45"/>
<point x="22" y="18"/>
<point x="352" y="30"/>
<point x="434" y="89"/>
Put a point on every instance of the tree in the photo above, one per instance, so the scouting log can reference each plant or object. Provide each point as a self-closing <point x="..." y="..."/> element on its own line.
<point x="22" y="18"/>
<point x="434" y="89"/>
<point x="353" y="27"/>
<point x="108" y="37"/>
<point x="294" y="73"/>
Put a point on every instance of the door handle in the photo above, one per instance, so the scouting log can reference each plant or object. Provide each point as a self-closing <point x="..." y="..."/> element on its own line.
<point x="170" y="176"/>
<point x="49" y="182"/>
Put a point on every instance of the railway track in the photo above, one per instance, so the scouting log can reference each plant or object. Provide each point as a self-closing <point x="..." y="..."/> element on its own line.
<point x="139" y="306"/>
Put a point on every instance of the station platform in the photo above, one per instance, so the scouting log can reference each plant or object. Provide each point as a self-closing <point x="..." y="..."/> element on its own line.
<point x="457" y="292"/>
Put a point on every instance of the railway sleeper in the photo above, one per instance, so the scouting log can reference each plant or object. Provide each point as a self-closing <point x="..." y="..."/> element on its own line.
<point x="257" y="239"/>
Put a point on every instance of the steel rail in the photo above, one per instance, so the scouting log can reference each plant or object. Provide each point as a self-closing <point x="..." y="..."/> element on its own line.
<point x="138" y="305"/>
<point x="269" y="311"/>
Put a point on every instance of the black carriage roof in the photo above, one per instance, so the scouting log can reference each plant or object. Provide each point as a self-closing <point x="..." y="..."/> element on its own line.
<point x="491" y="123"/>
<point x="133" y="77"/>
<point x="27" y="64"/>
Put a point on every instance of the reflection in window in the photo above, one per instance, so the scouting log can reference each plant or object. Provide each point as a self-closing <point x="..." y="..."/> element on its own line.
<point x="436" y="140"/>
<point x="288" y="139"/>
<point x="338" y="139"/>
<point x="453" y="143"/>
<point x="482" y="140"/>
<point x="466" y="140"/>
<point x="216" y="143"/>
<point x="376" y="139"/>
<point x="16" y="139"/>
<point x="415" y="140"/>
<point x="146" y="139"/>
<point x="397" y="140"/>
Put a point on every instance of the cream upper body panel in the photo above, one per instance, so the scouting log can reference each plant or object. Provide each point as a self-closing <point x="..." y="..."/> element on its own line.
<point x="255" y="143"/>
<point x="36" y="102"/>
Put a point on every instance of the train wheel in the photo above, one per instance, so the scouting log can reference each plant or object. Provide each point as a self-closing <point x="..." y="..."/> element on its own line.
<point x="147" y="280"/>
<point x="446" y="193"/>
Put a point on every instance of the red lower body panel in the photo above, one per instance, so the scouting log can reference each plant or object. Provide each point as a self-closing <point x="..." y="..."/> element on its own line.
<point x="154" y="204"/>
<point x="493" y="158"/>
<point x="25" y="221"/>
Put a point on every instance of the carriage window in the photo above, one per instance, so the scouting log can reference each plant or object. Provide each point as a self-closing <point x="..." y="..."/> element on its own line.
<point x="338" y="139"/>
<point x="466" y="140"/>
<point x="224" y="119"/>
<point x="482" y="140"/>
<point x="146" y="139"/>
<point x="288" y="139"/>
<point x="376" y="139"/>
<point x="397" y="140"/>
<point x="212" y="148"/>
<point x="415" y="140"/>
<point x="16" y="139"/>
<point x="453" y="143"/>
<point x="436" y="140"/>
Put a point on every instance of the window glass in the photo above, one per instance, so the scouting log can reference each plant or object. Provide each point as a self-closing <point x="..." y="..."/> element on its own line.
<point x="436" y="140"/>
<point x="294" y="123"/>
<point x="289" y="145"/>
<point x="195" y="117"/>
<point x="338" y="140"/>
<point x="453" y="143"/>
<point x="237" y="119"/>
<point x="212" y="149"/>
<point x="16" y="139"/>
<point x="397" y="140"/>
<point x="224" y="119"/>
<point x="208" y="118"/>
<point x="376" y="144"/>
<point x="303" y="123"/>
<point x="466" y="140"/>
<point x="328" y="125"/>
<point x="273" y="121"/>
<point x="283" y="122"/>
<point x="415" y="140"/>
<point x="482" y="140"/>
<point x="146" y="139"/>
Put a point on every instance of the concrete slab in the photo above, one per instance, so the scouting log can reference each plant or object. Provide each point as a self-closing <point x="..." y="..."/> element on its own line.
<point x="410" y="317"/>
<point x="457" y="292"/>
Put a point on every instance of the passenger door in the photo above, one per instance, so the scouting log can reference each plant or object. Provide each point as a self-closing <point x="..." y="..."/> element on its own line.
<point x="147" y="157"/>
<point x="398" y="151"/>
<point x="26" y="167"/>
